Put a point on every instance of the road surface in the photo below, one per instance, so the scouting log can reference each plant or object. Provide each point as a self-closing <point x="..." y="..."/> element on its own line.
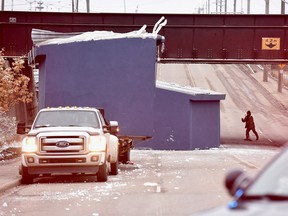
<point x="158" y="183"/>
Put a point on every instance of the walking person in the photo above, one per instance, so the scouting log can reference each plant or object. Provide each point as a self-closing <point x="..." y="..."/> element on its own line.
<point x="249" y="125"/>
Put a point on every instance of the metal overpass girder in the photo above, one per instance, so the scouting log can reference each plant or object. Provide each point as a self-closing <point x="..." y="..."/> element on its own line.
<point x="188" y="38"/>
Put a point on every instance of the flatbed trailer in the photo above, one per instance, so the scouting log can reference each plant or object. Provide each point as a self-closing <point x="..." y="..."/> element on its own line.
<point x="126" y="143"/>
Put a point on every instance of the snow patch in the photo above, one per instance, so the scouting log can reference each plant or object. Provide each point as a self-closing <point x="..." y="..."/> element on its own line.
<point x="5" y="204"/>
<point x="10" y="145"/>
<point x="185" y="89"/>
<point x="150" y="184"/>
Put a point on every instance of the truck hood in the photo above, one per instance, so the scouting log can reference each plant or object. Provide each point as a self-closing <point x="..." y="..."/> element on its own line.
<point x="89" y="130"/>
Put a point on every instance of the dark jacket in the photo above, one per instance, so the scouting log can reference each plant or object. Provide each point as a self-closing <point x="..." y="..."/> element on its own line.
<point x="249" y="122"/>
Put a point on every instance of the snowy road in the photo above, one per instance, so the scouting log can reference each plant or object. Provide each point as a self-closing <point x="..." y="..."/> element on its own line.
<point x="159" y="183"/>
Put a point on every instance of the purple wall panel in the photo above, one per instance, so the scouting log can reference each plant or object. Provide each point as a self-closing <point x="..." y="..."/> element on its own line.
<point x="185" y="122"/>
<point x="113" y="74"/>
<point x="204" y="126"/>
<point x="171" y="121"/>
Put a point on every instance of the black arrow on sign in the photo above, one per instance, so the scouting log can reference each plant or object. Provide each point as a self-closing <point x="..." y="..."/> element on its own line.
<point x="270" y="45"/>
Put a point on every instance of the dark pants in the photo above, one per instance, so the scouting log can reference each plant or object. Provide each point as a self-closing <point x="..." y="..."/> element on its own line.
<point x="253" y="130"/>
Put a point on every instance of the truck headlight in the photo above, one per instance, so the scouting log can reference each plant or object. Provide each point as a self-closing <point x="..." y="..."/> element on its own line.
<point x="29" y="144"/>
<point x="97" y="143"/>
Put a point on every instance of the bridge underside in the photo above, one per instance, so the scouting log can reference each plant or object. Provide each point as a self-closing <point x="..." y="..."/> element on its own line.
<point x="188" y="38"/>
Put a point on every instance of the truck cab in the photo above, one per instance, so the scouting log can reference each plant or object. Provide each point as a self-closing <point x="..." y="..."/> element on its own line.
<point x="69" y="140"/>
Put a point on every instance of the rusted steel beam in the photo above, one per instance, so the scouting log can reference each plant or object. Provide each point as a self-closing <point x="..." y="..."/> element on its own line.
<point x="188" y="37"/>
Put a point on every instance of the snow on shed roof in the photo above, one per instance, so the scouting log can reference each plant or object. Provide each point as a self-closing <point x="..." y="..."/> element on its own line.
<point x="195" y="91"/>
<point x="47" y="37"/>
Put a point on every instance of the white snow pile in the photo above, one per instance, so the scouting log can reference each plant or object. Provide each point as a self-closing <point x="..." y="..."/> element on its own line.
<point x="13" y="144"/>
<point x="44" y="37"/>
<point x="97" y="35"/>
<point x="185" y="89"/>
<point x="9" y="142"/>
<point x="9" y="150"/>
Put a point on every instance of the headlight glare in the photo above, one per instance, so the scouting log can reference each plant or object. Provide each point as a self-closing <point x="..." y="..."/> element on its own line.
<point x="97" y="143"/>
<point x="29" y="145"/>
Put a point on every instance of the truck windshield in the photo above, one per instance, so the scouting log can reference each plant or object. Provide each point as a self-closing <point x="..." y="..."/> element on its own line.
<point x="67" y="118"/>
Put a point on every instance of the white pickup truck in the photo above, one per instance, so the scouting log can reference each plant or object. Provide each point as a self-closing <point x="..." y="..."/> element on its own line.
<point x="69" y="140"/>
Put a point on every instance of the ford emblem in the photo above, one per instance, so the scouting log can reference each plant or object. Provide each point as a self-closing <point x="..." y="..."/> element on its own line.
<point x="62" y="144"/>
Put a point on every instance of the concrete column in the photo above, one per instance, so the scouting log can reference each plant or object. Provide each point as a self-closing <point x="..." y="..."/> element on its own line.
<point x="267" y="6"/>
<point x="280" y="80"/>
<point x="265" y="73"/>
<point x="282" y="6"/>
<point x="248" y="6"/>
<point x="88" y="6"/>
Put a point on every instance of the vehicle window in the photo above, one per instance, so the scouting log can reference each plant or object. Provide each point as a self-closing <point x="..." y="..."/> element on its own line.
<point x="273" y="180"/>
<point x="67" y="118"/>
<point x="103" y="122"/>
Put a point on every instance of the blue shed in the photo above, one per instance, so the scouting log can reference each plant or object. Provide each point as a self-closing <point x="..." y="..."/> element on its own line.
<point x="117" y="72"/>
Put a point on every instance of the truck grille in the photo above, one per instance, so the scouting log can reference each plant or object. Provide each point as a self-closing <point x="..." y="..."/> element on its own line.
<point x="62" y="144"/>
<point x="62" y="160"/>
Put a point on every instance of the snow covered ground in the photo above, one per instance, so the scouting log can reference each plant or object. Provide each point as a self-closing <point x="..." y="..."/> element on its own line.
<point x="9" y="150"/>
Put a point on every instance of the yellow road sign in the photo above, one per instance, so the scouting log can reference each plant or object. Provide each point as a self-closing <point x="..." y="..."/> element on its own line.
<point x="282" y="66"/>
<point x="270" y="43"/>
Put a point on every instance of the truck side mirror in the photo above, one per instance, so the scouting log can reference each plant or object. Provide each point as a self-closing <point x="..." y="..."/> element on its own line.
<point x="114" y="127"/>
<point x="21" y="129"/>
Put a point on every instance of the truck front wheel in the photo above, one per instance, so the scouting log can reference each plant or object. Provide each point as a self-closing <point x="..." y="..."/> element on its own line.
<point x="102" y="174"/>
<point x="114" y="168"/>
<point x="26" y="177"/>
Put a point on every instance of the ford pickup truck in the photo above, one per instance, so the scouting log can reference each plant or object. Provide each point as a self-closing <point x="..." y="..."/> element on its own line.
<point x="69" y="140"/>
